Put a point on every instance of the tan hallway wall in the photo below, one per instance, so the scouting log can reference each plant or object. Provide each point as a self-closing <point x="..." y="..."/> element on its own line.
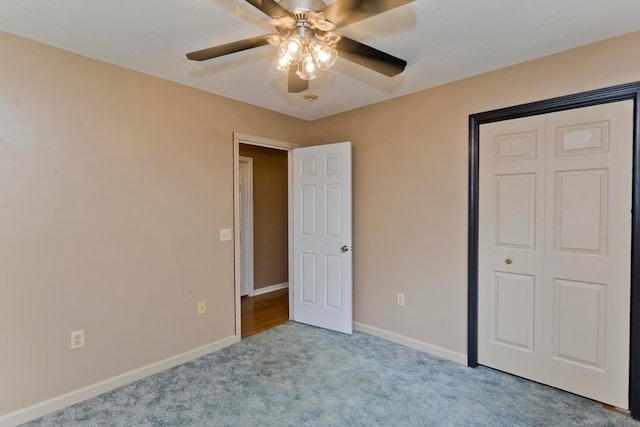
<point x="270" y="215"/>
<point x="410" y="160"/>
<point x="113" y="188"/>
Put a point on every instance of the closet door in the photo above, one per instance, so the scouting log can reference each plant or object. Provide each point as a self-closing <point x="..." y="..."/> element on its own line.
<point x="555" y="247"/>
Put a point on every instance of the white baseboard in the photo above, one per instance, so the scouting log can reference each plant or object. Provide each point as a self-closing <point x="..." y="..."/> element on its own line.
<point x="271" y="288"/>
<point x="413" y="343"/>
<point x="43" y="408"/>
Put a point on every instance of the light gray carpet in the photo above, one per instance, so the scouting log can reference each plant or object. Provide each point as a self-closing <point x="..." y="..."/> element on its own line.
<point x="297" y="375"/>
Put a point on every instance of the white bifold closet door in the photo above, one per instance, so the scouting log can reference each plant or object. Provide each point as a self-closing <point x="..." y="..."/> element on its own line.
<point x="555" y="249"/>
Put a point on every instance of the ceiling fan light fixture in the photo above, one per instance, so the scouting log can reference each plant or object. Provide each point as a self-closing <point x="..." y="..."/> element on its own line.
<point x="293" y="47"/>
<point x="274" y="39"/>
<point x="290" y="52"/>
<point x="318" y="21"/>
<point x="329" y="39"/>
<point x="307" y="50"/>
<point x="308" y="68"/>
<point x="285" y="22"/>
<point x="325" y="56"/>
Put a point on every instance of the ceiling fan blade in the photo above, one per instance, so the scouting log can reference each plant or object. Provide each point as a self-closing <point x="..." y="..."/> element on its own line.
<point x="270" y="8"/>
<point x="345" y="12"/>
<point x="296" y="84"/>
<point x="225" y="49"/>
<point x="370" y="57"/>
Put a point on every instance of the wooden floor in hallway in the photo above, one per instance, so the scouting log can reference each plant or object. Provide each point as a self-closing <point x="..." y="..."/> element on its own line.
<point x="264" y="311"/>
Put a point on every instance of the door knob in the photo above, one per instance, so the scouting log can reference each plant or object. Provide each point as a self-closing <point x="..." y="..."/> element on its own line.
<point x="508" y="261"/>
<point x="345" y="248"/>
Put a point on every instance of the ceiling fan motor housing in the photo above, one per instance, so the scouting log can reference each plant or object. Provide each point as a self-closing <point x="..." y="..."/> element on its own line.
<point x="302" y="6"/>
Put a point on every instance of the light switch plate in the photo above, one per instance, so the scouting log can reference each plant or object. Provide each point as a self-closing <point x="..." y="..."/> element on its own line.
<point x="225" y="234"/>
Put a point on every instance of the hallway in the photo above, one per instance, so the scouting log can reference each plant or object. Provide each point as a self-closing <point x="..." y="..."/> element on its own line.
<point x="263" y="312"/>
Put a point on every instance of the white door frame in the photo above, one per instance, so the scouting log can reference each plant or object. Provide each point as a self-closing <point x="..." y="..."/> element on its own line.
<point x="246" y="229"/>
<point x="241" y="138"/>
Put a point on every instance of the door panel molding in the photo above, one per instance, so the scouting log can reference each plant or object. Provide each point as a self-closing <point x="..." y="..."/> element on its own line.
<point x="629" y="91"/>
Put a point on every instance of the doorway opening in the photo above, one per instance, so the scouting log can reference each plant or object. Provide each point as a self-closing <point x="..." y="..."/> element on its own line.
<point x="263" y="195"/>
<point x="262" y="244"/>
<point x="319" y="233"/>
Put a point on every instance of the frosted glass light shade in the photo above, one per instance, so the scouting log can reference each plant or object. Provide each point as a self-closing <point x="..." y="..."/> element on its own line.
<point x="325" y="56"/>
<point x="290" y="52"/>
<point x="308" y="69"/>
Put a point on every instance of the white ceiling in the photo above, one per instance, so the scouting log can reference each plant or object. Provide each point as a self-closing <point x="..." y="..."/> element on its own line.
<point x="442" y="41"/>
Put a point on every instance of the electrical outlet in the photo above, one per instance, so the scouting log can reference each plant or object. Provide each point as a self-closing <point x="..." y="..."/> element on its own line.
<point x="400" y="299"/>
<point x="202" y="307"/>
<point x="77" y="339"/>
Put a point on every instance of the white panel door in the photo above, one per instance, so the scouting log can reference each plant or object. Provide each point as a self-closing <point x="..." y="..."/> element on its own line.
<point x="322" y="255"/>
<point x="511" y="239"/>
<point x="555" y="249"/>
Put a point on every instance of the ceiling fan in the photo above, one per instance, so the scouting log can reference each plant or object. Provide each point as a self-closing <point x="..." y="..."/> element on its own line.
<point x="307" y="41"/>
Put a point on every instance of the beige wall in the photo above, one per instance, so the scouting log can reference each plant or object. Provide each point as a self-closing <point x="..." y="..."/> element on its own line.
<point x="410" y="184"/>
<point x="270" y="215"/>
<point x="113" y="186"/>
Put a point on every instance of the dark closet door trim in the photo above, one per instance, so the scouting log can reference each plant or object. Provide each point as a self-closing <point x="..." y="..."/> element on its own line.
<point x="585" y="99"/>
